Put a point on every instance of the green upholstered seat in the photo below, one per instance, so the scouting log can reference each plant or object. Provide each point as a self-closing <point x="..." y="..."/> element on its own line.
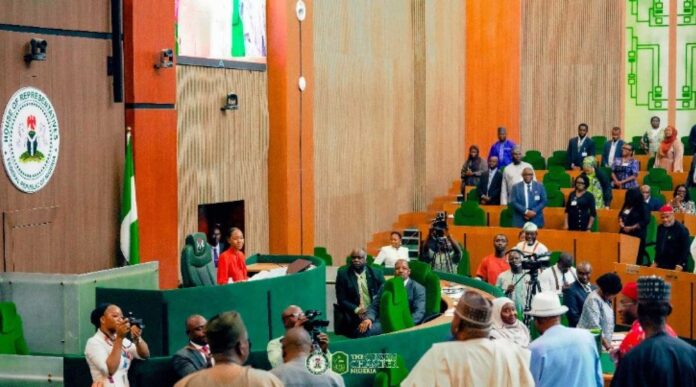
<point x="599" y="142"/>
<point x="651" y="164"/>
<point x="533" y="153"/>
<point x="394" y="314"/>
<point x="422" y="273"/>
<point x="534" y="158"/>
<point x="690" y="260"/>
<point x="558" y="176"/>
<point x="553" y="259"/>
<point x="506" y="217"/>
<point x="197" y="266"/>
<point x="11" y="332"/>
<point x="556" y="161"/>
<point x="419" y="270"/>
<point x="470" y="214"/>
<point x="635" y="141"/>
<point x="595" y="224"/>
<point x="659" y="177"/>
<point x="554" y="196"/>
<point x="393" y="376"/>
<point x="464" y="265"/>
<point x="650" y="238"/>
<point x="688" y="149"/>
<point x="321" y="252"/>
<point x="474" y="195"/>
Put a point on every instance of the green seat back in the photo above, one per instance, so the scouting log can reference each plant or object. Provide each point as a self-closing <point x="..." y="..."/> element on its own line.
<point x="651" y="164"/>
<point x="595" y="224"/>
<point x="599" y="141"/>
<point x="635" y="142"/>
<point x="470" y="214"/>
<point x="658" y="177"/>
<point x="464" y="265"/>
<point x="688" y="149"/>
<point x="558" y="176"/>
<point x="321" y="252"/>
<point x="650" y="238"/>
<point x="391" y="377"/>
<point x="11" y="331"/>
<point x="433" y="294"/>
<point x="395" y="314"/>
<point x="554" y="196"/>
<point x="533" y="153"/>
<point x="419" y="271"/>
<point x="561" y="154"/>
<point x="556" y="161"/>
<point x="537" y="162"/>
<point x="690" y="262"/>
<point x="506" y="217"/>
<point x="474" y="195"/>
<point x="197" y="266"/>
<point x="553" y="259"/>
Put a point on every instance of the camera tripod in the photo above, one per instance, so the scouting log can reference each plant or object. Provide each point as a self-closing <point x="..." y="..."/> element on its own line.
<point x="533" y="264"/>
<point x="442" y="257"/>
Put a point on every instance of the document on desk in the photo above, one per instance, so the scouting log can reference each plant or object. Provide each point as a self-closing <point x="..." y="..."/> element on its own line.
<point x="277" y="272"/>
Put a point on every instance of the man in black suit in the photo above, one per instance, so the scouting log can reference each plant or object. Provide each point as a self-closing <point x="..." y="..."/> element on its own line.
<point x="580" y="147"/>
<point x="652" y="203"/>
<point x="490" y="183"/>
<point x="356" y="286"/>
<point x="612" y="149"/>
<point x="370" y="325"/>
<point x="574" y="296"/>
<point x="196" y="354"/>
<point x="217" y="243"/>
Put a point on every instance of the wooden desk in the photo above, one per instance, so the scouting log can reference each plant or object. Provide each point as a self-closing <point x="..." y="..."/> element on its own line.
<point x="259" y="267"/>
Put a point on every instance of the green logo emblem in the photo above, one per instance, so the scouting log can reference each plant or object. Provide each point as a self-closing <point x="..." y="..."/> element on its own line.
<point x="339" y="362"/>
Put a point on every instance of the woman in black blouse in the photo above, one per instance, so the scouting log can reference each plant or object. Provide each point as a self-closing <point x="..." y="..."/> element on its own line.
<point x="634" y="219"/>
<point x="580" y="210"/>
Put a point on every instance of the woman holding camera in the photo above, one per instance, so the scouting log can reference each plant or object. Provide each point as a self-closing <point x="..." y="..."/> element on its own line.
<point x="109" y="353"/>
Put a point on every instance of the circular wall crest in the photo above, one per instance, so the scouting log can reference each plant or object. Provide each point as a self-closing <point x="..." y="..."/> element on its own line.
<point x="30" y="139"/>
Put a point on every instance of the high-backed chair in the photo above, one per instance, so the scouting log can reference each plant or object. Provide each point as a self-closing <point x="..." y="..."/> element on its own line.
<point x="688" y="149"/>
<point x="534" y="158"/>
<point x="321" y="252"/>
<point x="660" y="178"/>
<point x="197" y="266"/>
<point x="470" y="214"/>
<point x="464" y="265"/>
<point x="422" y="273"/>
<point x="635" y="141"/>
<point x="506" y="217"/>
<point x="394" y="311"/>
<point x="558" y="176"/>
<point x="554" y="196"/>
<point x="474" y="195"/>
<point x="651" y="164"/>
<point x="391" y="377"/>
<point x="650" y="239"/>
<point x="599" y="142"/>
<point x="558" y="161"/>
<point x="11" y="331"/>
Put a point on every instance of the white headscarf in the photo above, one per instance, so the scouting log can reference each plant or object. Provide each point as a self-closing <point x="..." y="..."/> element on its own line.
<point x="517" y="332"/>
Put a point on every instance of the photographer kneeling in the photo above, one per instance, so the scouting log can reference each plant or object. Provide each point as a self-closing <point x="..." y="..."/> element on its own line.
<point x="109" y="353"/>
<point x="293" y="317"/>
<point x="440" y="250"/>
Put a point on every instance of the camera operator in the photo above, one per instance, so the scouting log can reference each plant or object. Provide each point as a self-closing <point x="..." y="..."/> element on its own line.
<point x="292" y="317"/>
<point x="514" y="282"/>
<point x="109" y="352"/>
<point x="440" y="250"/>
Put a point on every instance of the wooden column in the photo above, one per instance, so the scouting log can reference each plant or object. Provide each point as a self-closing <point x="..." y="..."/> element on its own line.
<point x="291" y="148"/>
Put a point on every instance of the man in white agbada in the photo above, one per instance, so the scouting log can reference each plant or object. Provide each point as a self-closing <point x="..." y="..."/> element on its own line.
<point x="513" y="175"/>
<point x="473" y="359"/>
<point x="530" y="244"/>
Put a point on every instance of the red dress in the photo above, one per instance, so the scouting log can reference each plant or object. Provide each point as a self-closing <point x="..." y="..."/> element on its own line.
<point x="635" y="336"/>
<point x="232" y="264"/>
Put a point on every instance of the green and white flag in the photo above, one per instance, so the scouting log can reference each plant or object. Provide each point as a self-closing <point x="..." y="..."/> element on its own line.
<point x="129" y="210"/>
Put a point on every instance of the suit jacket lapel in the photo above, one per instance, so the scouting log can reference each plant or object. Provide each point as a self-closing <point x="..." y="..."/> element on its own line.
<point x="197" y="356"/>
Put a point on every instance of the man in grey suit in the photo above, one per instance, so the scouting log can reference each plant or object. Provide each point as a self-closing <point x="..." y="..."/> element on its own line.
<point x="370" y="325"/>
<point x="196" y="354"/>
<point x="527" y="201"/>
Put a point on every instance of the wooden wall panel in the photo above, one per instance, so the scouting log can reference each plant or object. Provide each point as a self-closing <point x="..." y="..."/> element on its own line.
<point x="222" y="156"/>
<point x="82" y="230"/>
<point x="571" y="70"/>
<point x="445" y="96"/>
<point x="82" y="15"/>
<point x="388" y="113"/>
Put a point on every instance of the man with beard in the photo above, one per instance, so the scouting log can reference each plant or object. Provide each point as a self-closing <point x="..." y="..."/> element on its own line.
<point x="356" y="286"/>
<point x="502" y="149"/>
<point x="514" y="282"/>
<point x="530" y="244"/>
<point x="575" y="295"/>
<point x="513" y="175"/>
<point x="628" y="310"/>
<point x="496" y="263"/>
<point x="196" y="354"/>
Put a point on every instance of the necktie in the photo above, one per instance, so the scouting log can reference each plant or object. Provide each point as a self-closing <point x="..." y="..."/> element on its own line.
<point x="364" y="291"/>
<point x="215" y="253"/>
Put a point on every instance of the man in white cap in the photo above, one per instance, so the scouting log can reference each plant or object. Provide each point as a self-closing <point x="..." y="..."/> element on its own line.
<point x="530" y="245"/>
<point x="561" y="356"/>
<point x="472" y="359"/>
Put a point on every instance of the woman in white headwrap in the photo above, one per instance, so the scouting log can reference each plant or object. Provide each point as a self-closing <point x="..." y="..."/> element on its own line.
<point x="505" y="323"/>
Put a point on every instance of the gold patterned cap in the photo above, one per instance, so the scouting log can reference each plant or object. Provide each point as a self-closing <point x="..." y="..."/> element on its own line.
<point x="653" y="289"/>
<point x="474" y="309"/>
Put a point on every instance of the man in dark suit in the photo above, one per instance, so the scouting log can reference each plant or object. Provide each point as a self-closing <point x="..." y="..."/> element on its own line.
<point x="356" y="286"/>
<point x="527" y="201"/>
<point x="612" y="149"/>
<point x="652" y="203"/>
<point x="195" y="355"/>
<point x="217" y="243"/>
<point x="490" y="183"/>
<point x="574" y="296"/>
<point x="580" y="147"/>
<point x="370" y="325"/>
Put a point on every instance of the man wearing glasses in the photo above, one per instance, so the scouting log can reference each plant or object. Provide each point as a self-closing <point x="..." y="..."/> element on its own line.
<point x="293" y="317"/>
<point x="528" y="200"/>
<point x="356" y="286"/>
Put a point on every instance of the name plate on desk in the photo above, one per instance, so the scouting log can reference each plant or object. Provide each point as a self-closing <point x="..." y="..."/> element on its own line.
<point x="632" y="269"/>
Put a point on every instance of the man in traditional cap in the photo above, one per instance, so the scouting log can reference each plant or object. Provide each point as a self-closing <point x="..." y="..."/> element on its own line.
<point x="561" y="356"/>
<point x="530" y="244"/>
<point x="672" y="243"/>
<point x="660" y="360"/>
<point x="472" y="359"/>
<point x="527" y="200"/>
<point x="628" y="310"/>
<point x="560" y="276"/>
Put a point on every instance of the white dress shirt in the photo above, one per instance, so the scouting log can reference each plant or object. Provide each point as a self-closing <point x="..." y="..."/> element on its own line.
<point x="511" y="176"/>
<point x="389" y="255"/>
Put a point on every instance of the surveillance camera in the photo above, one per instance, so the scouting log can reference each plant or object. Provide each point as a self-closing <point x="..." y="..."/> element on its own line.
<point x="166" y="59"/>
<point x="37" y="50"/>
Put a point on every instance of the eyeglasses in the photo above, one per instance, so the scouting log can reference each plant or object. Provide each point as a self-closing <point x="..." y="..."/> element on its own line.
<point x="356" y="257"/>
<point x="295" y="315"/>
